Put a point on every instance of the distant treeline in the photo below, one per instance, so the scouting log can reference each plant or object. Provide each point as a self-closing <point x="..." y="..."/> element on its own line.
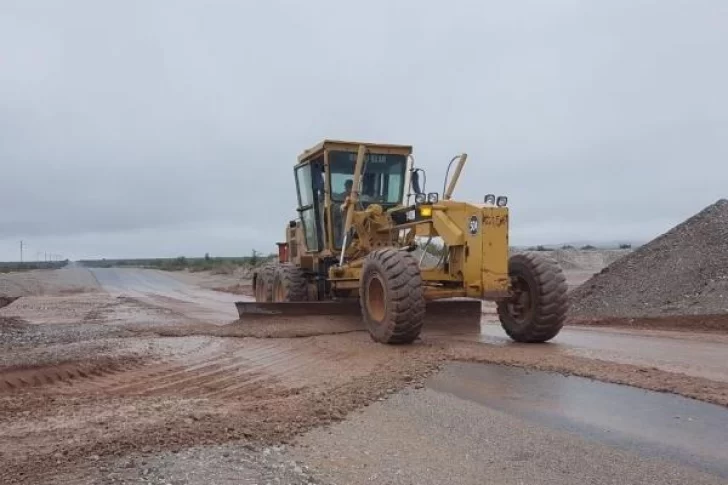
<point x="180" y="263"/>
<point x="11" y="266"/>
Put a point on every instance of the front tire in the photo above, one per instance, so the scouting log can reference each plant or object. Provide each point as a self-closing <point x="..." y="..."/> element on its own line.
<point x="537" y="310"/>
<point x="392" y="298"/>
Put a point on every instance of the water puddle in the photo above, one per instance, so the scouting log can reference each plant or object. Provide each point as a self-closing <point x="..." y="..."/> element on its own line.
<point x="642" y="422"/>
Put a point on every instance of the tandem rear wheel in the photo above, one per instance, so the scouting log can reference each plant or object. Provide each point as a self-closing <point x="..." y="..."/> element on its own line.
<point x="280" y="282"/>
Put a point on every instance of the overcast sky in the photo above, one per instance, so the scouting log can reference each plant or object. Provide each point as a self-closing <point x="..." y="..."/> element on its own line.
<point x="137" y="128"/>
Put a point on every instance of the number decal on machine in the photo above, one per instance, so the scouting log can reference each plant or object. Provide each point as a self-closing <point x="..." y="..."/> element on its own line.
<point x="370" y="158"/>
<point x="473" y="225"/>
<point x="497" y="221"/>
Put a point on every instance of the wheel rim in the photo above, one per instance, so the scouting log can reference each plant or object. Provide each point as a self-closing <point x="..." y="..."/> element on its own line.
<point x="521" y="305"/>
<point x="375" y="299"/>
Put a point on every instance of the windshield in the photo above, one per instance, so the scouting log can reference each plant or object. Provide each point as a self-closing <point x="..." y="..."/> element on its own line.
<point x="382" y="179"/>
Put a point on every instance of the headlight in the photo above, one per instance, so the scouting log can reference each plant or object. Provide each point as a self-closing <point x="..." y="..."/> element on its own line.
<point x="502" y="201"/>
<point x="490" y="199"/>
<point x="420" y="198"/>
<point x="432" y="197"/>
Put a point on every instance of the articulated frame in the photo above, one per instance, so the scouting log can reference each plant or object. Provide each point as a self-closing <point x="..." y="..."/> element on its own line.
<point x="475" y="238"/>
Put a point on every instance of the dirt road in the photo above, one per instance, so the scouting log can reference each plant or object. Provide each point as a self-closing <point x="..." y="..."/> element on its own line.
<point x="161" y="289"/>
<point x="692" y="354"/>
<point x="139" y="380"/>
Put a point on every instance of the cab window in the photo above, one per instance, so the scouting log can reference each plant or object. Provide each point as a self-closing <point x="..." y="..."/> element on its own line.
<point x="382" y="179"/>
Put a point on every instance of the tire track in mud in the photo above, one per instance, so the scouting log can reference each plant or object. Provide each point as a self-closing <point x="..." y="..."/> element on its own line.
<point x="247" y="372"/>
<point x="196" y="390"/>
<point x="249" y="368"/>
<point x="62" y="374"/>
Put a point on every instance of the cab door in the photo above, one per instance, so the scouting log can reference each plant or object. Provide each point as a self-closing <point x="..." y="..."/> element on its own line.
<point x="307" y="188"/>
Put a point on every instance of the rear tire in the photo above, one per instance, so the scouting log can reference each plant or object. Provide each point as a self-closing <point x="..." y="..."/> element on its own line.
<point x="538" y="309"/>
<point x="392" y="298"/>
<point x="264" y="282"/>
<point x="289" y="283"/>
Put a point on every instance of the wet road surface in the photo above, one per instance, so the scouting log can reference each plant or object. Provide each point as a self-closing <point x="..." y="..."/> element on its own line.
<point x="643" y="422"/>
<point x="699" y="355"/>
<point x="157" y="288"/>
<point x="475" y="423"/>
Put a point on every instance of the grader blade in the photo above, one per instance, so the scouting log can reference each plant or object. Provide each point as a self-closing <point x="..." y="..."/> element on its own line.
<point x="453" y="317"/>
<point x="301" y="318"/>
<point x="247" y="309"/>
<point x="442" y="317"/>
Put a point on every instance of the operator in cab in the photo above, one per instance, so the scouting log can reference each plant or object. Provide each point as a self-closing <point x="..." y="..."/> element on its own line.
<point x="348" y="185"/>
<point x="347" y="190"/>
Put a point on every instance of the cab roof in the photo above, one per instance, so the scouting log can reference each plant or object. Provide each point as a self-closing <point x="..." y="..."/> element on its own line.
<point x="348" y="145"/>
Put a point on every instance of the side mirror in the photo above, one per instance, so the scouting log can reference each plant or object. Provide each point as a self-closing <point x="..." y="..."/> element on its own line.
<point x="416" y="181"/>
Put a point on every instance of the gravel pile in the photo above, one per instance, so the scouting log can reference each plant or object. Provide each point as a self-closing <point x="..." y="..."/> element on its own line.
<point x="682" y="272"/>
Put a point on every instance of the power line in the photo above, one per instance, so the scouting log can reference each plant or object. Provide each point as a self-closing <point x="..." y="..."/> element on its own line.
<point x="26" y="252"/>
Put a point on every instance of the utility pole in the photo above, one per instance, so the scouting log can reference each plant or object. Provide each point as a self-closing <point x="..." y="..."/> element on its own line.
<point x="21" y="250"/>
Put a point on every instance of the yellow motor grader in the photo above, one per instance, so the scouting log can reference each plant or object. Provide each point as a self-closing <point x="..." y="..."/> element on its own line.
<point x="369" y="242"/>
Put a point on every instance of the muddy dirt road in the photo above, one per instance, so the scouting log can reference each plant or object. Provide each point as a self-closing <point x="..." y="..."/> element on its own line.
<point x="141" y="379"/>
<point x="161" y="289"/>
<point x="693" y="354"/>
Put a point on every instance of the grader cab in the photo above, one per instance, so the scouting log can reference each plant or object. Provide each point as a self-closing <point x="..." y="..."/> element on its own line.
<point x="362" y="247"/>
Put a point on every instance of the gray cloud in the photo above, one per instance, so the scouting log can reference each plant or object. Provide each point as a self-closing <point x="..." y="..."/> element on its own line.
<point x="161" y="128"/>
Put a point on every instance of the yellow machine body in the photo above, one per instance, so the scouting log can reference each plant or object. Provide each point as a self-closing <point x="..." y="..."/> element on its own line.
<point x="358" y="239"/>
<point x="477" y="241"/>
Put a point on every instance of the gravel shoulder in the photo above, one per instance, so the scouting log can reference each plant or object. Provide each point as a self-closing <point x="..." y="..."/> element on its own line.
<point x="236" y="463"/>
<point x="377" y="445"/>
